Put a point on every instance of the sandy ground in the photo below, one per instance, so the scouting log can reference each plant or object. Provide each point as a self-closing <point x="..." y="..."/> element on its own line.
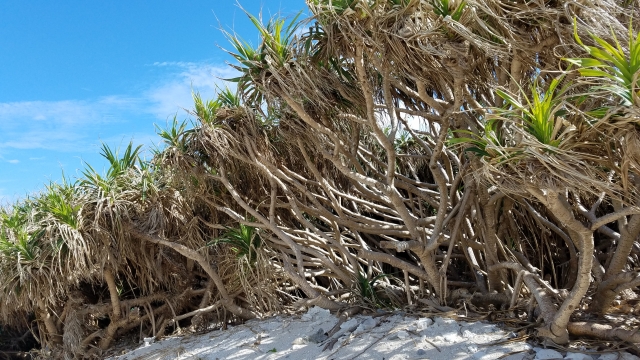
<point x="385" y="337"/>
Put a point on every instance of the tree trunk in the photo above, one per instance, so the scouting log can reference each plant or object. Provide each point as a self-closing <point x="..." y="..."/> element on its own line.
<point x="49" y="324"/>
<point x="606" y="291"/>
<point x="113" y="293"/>
<point x="583" y="240"/>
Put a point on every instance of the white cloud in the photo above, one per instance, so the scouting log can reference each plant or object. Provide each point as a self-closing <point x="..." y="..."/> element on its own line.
<point x="66" y="133"/>
<point x="183" y="64"/>
<point x="58" y="125"/>
<point x="174" y="94"/>
<point x="76" y="125"/>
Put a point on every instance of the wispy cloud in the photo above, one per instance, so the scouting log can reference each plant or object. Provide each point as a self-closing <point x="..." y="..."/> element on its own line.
<point x="62" y="135"/>
<point x="59" y="125"/>
<point x="173" y="94"/>
<point x="78" y="125"/>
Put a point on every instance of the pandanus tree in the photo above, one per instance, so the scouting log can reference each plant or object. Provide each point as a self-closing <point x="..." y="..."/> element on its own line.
<point x="552" y="145"/>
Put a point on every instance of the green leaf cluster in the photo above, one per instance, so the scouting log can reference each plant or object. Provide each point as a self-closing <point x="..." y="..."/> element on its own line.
<point x="610" y="61"/>
<point x="244" y="241"/>
<point x="274" y="51"/>
<point x="540" y="113"/>
<point x="58" y="200"/>
<point x="444" y="8"/>
<point x="367" y="289"/>
<point x="174" y="135"/>
<point x="479" y="142"/>
<point x="118" y="166"/>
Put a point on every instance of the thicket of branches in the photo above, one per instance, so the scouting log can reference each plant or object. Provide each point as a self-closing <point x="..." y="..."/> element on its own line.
<point x="483" y="154"/>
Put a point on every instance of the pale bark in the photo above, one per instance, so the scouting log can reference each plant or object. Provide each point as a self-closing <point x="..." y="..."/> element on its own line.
<point x="113" y="293"/>
<point x="608" y="290"/>
<point x="187" y="252"/>
<point x="49" y="324"/>
<point x="583" y="239"/>
<point x="603" y="332"/>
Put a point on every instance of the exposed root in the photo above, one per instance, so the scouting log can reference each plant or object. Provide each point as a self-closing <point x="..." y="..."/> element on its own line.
<point x="603" y="332"/>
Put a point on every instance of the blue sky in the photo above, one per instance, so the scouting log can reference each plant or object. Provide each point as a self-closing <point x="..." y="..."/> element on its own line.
<point x="74" y="74"/>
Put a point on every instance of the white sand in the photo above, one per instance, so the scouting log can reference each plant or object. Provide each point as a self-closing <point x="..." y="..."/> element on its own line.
<point x="388" y="337"/>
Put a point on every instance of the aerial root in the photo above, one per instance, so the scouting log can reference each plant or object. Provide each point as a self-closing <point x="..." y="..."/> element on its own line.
<point x="602" y="331"/>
